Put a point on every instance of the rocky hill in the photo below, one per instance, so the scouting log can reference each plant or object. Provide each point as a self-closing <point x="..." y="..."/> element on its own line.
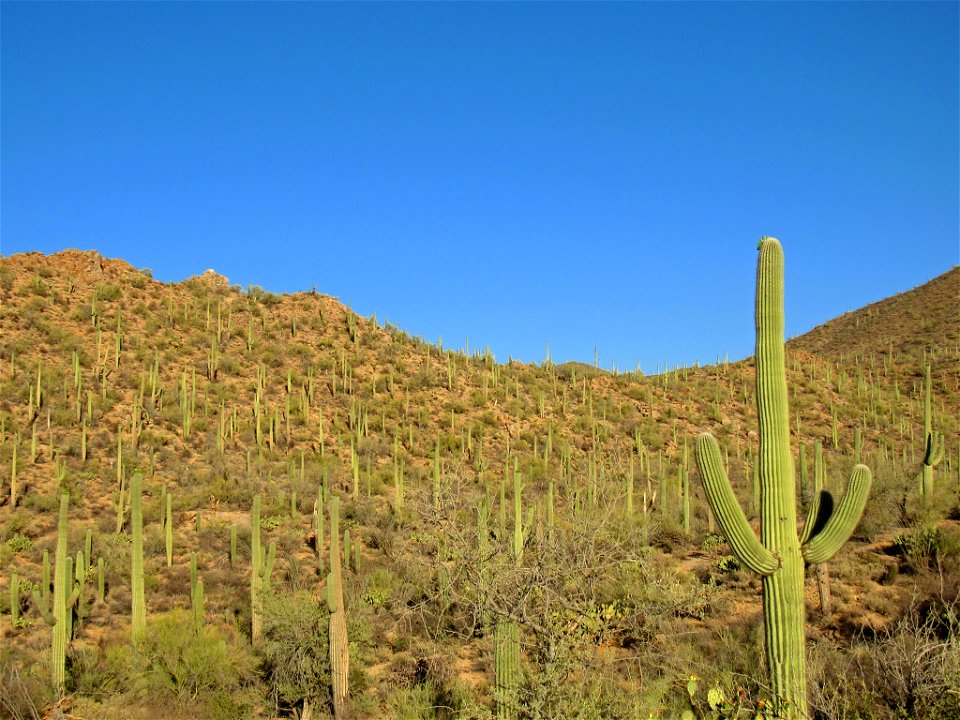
<point x="216" y="395"/>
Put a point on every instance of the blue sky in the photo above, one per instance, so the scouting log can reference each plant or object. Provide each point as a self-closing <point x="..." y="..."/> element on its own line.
<point x="595" y="175"/>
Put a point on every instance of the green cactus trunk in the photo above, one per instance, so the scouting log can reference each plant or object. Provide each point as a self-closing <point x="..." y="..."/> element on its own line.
<point x="168" y="530"/>
<point x="782" y="589"/>
<point x="101" y="583"/>
<point x="14" y="599"/>
<point x="339" y="644"/>
<point x="57" y="616"/>
<point x="260" y="572"/>
<point x="780" y="554"/>
<point x="506" y="640"/>
<point x="506" y="667"/>
<point x="932" y="442"/>
<point x="61" y="580"/>
<point x="256" y="582"/>
<point x="138" y="623"/>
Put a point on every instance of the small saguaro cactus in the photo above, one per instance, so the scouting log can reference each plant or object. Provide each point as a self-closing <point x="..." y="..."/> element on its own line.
<point x="168" y="529"/>
<point x="779" y="556"/>
<point x="339" y="645"/>
<point x="932" y="442"/>
<point x="14" y="599"/>
<point x="261" y="570"/>
<point x="196" y="602"/>
<point x="101" y="583"/>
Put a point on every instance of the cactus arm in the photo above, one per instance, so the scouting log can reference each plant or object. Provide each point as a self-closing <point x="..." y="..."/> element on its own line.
<point x="268" y="564"/>
<point x="821" y="509"/>
<point x="826" y="542"/>
<point x="813" y="512"/>
<point x="44" y="611"/>
<point x="933" y="453"/>
<point x="744" y="542"/>
<point x="813" y="519"/>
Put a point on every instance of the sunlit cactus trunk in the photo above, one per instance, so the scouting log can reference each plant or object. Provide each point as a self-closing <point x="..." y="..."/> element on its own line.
<point x="506" y="667"/>
<point x="138" y="623"/>
<point x="782" y="589"/>
<point x="506" y="639"/>
<point x="779" y="555"/>
<point x="260" y="571"/>
<point x="60" y="586"/>
<point x="339" y="645"/>
<point x="932" y="443"/>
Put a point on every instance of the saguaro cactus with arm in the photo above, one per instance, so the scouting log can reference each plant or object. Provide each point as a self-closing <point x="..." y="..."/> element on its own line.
<point x="261" y="569"/>
<point x="932" y="443"/>
<point x="778" y="556"/>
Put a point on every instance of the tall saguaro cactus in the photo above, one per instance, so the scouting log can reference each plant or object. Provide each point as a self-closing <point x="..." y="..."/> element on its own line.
<point x="339" y="646"/>
<point x="779" y="555"/>
<point x="506" y="638"/>
<point x="932" y="442"/>
<point x="138" y="624"/>
<point x="260" y="572"/>
<point x="506" y="667"/>
<point x="62" y="602"/>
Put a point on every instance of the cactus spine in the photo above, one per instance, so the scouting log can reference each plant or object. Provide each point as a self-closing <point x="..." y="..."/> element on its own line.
<point x="339" y="647"/>
<point x="138" y="623"/>
<point x="261" y="570"/>
<point x="932" y="442"/>
<point x="779" y="557"/>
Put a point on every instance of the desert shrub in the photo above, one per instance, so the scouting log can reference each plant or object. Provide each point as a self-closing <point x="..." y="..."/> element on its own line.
<point x="919" y="548"/>
<point x="886" y="508"/>
<point x="178" y="662"/>
<point x="295" y="654"/>
<point x="24" y="691"/>
<point x="19" y="543"/>
<point x="911" y="670"/>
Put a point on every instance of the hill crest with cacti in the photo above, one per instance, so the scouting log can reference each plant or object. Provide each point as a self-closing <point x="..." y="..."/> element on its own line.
<point x="218" y="395"/>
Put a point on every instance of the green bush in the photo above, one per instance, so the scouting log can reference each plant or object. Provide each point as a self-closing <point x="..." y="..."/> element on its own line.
<point x="295" y="649"/>
<point x="920" y="548"/>
<point x="19" y="543"/>
<point x="177" y="662"/>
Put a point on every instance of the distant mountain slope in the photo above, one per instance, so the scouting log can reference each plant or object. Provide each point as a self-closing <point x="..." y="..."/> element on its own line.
<point x="926" y="317"/>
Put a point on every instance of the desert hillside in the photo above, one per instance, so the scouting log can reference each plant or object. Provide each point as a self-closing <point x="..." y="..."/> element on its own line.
<point x="559" y="500"/>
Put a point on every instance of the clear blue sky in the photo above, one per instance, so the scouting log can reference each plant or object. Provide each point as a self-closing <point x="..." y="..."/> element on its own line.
<point x="595" y="175"/>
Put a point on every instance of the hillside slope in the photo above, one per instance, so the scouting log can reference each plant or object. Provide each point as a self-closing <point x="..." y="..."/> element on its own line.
<point x="218" y="395"/>
<point x="925" y="317"/>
